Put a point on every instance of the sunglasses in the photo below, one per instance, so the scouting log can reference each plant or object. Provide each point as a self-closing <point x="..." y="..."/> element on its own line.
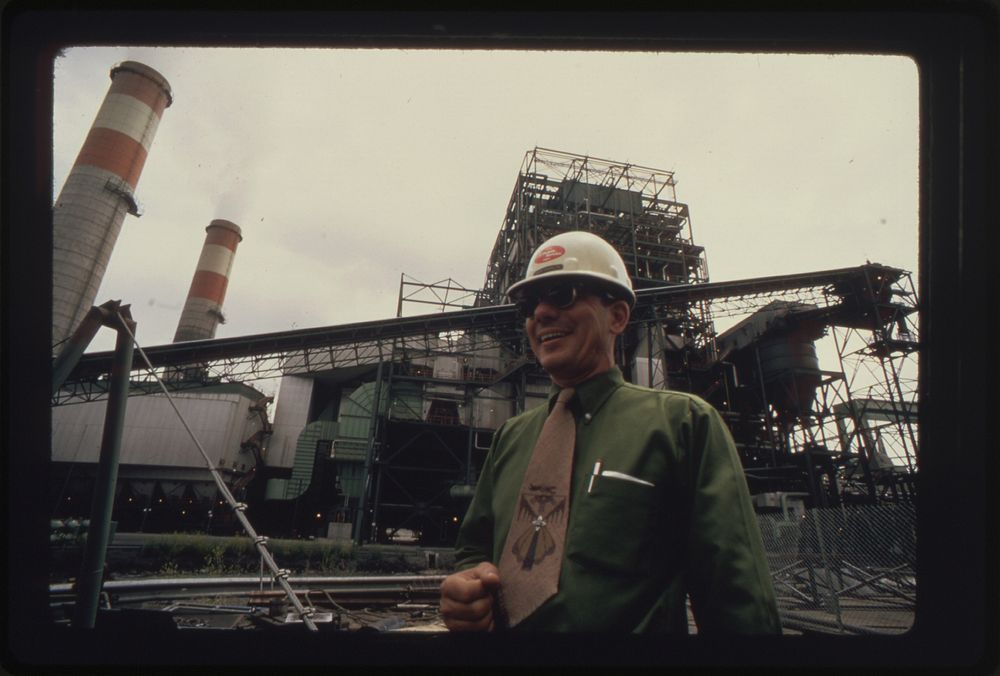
<point x="561" y="296"/>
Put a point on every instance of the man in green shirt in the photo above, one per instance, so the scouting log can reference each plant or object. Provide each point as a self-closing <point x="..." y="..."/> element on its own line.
<point x="658" y="504"/>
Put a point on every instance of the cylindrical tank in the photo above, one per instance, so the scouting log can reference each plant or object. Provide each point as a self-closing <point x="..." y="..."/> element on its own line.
<point x="99" y="191"/>
<point x="790" y="369"/>
<point x="203" y="308"/>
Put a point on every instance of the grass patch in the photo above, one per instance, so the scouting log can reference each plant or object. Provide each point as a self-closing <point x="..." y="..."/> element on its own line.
<point x="209" y="555"/>
<point x="191" y="554"/>
<point x="181" y="554"/>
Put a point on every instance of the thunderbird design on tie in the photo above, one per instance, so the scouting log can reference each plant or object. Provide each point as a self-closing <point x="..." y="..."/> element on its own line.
<point x="538" y="509"/>
<point x="532" y="555"/>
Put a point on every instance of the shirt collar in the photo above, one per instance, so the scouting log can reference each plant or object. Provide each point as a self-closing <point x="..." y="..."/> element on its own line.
<point x="591" y="394"/>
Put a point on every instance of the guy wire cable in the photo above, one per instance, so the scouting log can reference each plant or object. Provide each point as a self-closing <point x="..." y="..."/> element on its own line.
<point x="260" y="542"/>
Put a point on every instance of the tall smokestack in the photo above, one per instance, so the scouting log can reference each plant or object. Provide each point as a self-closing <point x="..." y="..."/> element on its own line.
<point x="99" y="190"/>
<point x="203" y="308"/>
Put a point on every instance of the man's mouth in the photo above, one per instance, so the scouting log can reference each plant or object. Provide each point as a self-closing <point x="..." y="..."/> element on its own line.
<point x="551" y="335"/>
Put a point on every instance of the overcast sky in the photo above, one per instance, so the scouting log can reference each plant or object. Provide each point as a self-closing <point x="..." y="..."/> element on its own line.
<point x="346" y="168"/>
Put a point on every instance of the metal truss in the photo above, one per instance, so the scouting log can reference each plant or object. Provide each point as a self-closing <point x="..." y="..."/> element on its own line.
<point x="443" y="294"/>
<point x="634" y="208"/>
<point x="857" y="438"/>
<point x="880" y="420"/>
<point x="317" y="350"/>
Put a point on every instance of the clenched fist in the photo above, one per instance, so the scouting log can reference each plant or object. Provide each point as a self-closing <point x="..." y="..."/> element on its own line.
<point x="467" y="598"/>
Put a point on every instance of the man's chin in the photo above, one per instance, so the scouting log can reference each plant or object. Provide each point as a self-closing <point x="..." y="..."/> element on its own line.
<point x="554" y="367"/>
<point x="560" y="372"/>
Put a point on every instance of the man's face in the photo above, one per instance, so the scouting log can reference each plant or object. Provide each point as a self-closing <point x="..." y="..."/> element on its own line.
<point x="577" y="342"/>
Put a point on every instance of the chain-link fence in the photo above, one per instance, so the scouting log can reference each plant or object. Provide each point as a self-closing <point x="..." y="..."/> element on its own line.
<point x="844" y="570"/>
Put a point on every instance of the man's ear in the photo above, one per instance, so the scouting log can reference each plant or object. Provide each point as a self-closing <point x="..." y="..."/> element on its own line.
<point x="619" y="312"/>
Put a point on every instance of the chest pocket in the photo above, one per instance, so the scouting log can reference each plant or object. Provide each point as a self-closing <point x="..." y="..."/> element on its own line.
<point x="615" y="526"/>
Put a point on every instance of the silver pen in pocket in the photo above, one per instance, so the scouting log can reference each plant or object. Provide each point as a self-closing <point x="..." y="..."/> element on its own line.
<point x="596" y="473"/>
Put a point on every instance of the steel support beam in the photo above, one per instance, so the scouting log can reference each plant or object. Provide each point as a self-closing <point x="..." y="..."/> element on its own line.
<point x="95" y="551"/>
<point x="500" y="320"/>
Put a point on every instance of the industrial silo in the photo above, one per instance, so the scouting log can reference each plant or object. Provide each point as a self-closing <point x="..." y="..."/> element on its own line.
<point x="100" y="190"/>
<point x="203" y="308"/>
<point x="789" y="368"/>
<point x="774" y="354"/>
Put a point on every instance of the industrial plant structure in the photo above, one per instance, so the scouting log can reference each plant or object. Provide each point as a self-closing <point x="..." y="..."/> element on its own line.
<point x="381" y="428"/>
<point x="406" y="431"/>
<point x="163" y="485"/>
<point x="162" y="480"/>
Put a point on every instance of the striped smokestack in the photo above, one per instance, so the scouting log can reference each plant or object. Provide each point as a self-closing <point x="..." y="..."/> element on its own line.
<point x="100" y="188"/>
<point x="203" y="307"/>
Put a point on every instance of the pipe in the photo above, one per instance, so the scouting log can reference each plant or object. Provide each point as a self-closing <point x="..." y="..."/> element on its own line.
<point x="92" y="569"/>
<point x="78" y="342"/>
<point x="480" y="447"/>
<point x="366" y="488"/>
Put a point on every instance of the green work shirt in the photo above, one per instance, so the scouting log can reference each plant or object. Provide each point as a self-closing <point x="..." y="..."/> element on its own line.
<point x="634" y="549"/>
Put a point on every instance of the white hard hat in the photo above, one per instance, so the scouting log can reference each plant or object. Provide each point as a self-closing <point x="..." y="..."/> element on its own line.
<point x="577" y="254"/>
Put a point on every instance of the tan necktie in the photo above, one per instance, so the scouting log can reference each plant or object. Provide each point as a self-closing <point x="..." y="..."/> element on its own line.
<point x="533" y="553"/>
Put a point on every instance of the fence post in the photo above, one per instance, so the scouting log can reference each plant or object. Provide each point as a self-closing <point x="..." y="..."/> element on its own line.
<point x="832" y="602"/>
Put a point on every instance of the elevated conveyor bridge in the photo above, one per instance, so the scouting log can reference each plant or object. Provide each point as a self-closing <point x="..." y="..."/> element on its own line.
<point x="846" y="296"/>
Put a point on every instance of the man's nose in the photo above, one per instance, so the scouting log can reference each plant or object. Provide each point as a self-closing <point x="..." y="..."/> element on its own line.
<point x="545" y="310"/>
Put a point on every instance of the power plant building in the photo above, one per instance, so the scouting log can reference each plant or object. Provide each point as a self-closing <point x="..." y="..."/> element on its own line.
<point x="406" y="434"/>
<point x="163" y="483"/>
<point x="163" y="480"/>
<point x="380" y="429"/>
<point x="382" y="439"/>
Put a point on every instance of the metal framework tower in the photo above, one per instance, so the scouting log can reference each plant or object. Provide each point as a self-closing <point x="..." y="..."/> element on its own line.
<point x="879" y="422"/>
<point x="846" y="434"/>
<point x="635" y="208"/>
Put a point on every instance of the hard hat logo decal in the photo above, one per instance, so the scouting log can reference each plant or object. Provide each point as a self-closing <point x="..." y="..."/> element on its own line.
<point x="549" y="253"/>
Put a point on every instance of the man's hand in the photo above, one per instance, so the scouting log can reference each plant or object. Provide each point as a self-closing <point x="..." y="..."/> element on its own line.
<point x="467" y="598"/>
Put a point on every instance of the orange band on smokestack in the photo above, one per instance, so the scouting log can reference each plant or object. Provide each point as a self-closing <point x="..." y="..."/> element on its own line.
<point x="210" y="285"/>
<point x="126" y="122"/>
<point x="115" y="152"/>
<point x="99" y="191"/>
<point x="203" y="307"/>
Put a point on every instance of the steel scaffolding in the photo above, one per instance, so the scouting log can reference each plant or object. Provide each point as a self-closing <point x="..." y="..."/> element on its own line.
<point x="316" y="350"/>
<point x="834" y="436"/>
<point x="635" y="208"/>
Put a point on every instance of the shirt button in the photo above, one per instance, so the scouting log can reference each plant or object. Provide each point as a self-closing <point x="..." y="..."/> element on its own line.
<point x="587" y="417"/>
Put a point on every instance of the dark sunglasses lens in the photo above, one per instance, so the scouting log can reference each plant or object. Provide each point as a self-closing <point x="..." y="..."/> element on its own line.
<point x="561" y="296"/>
<point x="526" y="305"/>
